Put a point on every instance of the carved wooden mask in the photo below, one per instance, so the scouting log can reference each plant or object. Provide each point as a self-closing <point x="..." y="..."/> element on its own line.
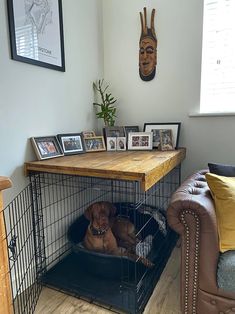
<point x="147" y="48"/>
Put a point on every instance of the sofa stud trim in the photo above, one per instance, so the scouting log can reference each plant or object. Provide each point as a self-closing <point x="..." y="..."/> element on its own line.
<point x="196" y="260"/>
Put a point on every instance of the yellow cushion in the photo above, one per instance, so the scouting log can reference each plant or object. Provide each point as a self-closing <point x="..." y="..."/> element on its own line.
<point x="223" y="192"/>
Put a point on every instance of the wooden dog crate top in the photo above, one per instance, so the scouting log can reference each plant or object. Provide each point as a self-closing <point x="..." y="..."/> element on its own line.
<point x="147" y="167"/>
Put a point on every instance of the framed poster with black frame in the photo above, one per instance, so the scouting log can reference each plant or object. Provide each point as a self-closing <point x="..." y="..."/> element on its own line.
<point x="156" y="127"/>
<point x="36" y="32"/>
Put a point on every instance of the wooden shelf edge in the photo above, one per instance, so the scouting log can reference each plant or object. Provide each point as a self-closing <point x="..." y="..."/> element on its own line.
<point x="103" y="166"/>
<point x="158" y="174"/>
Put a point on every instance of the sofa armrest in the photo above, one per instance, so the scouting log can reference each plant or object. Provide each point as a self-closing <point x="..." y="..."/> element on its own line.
<point x="191" y="213"/>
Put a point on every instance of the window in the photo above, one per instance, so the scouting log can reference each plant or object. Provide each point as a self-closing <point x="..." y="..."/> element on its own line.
<point x="27" y="42"/>
<point x="218" y="57"/>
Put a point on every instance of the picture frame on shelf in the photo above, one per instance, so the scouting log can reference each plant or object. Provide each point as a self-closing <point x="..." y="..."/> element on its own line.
<point x="131" y="128"/>
<point x="94" y="144"/>
<point x="114" y="131"/>
<point x="156" y="138"/>
<point x="121" y="143"/>
<point x="40" y="26"/>
<point x="155" y="127"/>
<point x="140" y="140"/>
<point x="111" y="143"/>
<point x="71" y="143"/>
<point x="166" y="139"/>
<point x="46" y="147"/>
<point x="88" y="134"/>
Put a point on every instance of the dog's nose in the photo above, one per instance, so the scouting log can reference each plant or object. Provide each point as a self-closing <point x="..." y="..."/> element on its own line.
<point x="103" y="218"/>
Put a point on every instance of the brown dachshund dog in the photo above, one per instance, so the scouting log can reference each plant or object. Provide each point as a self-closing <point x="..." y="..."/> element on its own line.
<point x="109" y="234"/>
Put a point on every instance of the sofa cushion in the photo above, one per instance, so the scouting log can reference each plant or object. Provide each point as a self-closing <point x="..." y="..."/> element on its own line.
<point x="223" y="192"/>
<point x="222" y="170"/>
<point x="226" y="271"/>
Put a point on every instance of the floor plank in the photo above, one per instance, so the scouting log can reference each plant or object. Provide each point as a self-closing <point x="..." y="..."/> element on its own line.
<point x="164" y="300"/>
<point x="166" y="295"/>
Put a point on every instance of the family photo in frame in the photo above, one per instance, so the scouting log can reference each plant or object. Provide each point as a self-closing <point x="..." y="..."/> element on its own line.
<point x="111" y="143"/>
<point x="116" y="143"/>
<point x="129" y="129"/>
<point x="88" y="133"/>
<point x="156" y="127"/>
<point x="94" y="144"/>
<point x="46" y="147"/>
<point x="71" y="143"/>
<point x="166" y="139"/>
<point x="161" y="136"/>
<point x="114" y="131"/>
<point x="140" y="140"/>
<point x="121" y="143"/>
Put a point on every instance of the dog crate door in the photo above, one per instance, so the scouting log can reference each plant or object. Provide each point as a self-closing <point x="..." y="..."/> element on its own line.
<point x="21" y="221"/>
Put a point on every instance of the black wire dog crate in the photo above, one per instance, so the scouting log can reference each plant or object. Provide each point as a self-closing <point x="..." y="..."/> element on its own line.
<point x="46" y="228"/>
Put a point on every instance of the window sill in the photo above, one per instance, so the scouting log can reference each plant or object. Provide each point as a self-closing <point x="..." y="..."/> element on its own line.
<point x="210" y="114"/>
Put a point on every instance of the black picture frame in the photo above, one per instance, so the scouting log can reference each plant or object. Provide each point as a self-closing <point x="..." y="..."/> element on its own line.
<point x="46" y="147"/>
<point x="131" y="128"/>
<point x="174" y="126"/>
<point x="40" y="29"/>
<point x="71" y="143"/>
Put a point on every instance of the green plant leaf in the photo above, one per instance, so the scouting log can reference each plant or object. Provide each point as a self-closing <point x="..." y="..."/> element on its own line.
<point x="107" y="110"/>
<point x="96" y="104"/>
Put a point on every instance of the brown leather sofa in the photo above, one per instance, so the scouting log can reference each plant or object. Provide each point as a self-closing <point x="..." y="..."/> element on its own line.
<point x="191" y="214"/>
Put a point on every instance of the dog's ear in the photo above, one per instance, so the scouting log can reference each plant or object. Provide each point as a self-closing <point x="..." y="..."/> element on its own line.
<point x="112" y="210"/>
<point x="89" y="213"/>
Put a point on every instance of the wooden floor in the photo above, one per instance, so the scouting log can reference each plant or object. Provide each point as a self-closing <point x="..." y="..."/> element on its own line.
<point x="164" y="300"/>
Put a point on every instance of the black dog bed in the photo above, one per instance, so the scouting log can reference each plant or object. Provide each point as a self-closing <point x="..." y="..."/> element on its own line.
<point x="110" y="266"/>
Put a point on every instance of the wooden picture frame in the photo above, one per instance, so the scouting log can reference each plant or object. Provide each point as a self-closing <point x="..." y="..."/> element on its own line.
<point x="46" y="147"/>
<point x="71" y="143"/>
<point x="166" y="139"/>
<point x="140" y="140"/>
<point x="155" y="127"/>
<point x="94" y="144"/>
<point x="88" y="134"/>
<point x="40" y="27"/>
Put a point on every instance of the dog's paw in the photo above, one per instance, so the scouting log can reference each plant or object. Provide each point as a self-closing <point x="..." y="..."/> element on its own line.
<point x="147" y="262"/>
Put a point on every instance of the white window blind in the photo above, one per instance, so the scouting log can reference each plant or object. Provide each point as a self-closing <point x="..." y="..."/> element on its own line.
<point x="27" y="41"/>
<point x="218" y="57"/>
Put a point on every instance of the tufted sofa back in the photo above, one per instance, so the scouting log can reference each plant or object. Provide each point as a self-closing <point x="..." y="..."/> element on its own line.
<point x="191" y="213"/>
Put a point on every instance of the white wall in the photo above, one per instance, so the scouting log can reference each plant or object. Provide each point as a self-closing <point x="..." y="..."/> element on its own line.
<point x="175" y="90"/>
<point x="35" y="101"/>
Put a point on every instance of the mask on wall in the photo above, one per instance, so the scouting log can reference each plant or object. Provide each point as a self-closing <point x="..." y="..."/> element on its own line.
<point x="147" y="48"/>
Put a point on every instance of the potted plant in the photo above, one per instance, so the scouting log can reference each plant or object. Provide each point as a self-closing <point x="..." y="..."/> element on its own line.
<point x="107" y="111"/>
